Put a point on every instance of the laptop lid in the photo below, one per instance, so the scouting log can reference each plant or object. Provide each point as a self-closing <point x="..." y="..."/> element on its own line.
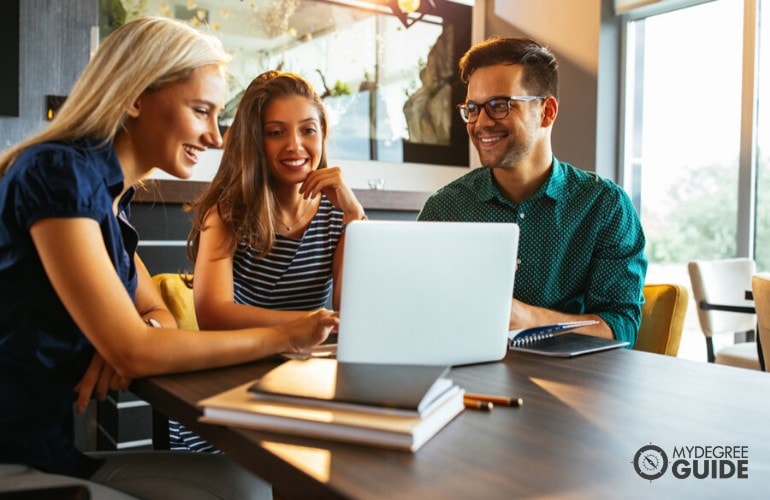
<point x="426" y="292"/>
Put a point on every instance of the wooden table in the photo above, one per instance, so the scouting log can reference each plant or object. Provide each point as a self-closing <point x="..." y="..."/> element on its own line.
<point x="576" y="436"/>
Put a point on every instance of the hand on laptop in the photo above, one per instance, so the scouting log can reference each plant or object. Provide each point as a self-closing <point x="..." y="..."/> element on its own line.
<point x="311" y="329"/>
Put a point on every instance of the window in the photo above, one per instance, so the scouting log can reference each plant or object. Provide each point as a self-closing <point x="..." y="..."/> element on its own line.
<point x="688" y="143"/>
<point x="762" y="242"/>
<point x="389" y="82"/>
<point x="686" y="102"/>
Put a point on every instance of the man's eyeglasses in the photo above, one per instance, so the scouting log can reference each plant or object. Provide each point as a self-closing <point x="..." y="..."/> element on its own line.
<point x="497" y="108"/>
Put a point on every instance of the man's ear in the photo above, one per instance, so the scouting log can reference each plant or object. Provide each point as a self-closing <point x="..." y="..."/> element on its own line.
<point x="550" y="110"/>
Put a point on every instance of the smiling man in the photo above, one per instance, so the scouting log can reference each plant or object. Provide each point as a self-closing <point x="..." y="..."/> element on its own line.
<point x="581" y="252"/>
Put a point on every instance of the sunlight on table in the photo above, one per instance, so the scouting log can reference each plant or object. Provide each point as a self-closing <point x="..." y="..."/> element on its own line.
<point x="313" y="461"/>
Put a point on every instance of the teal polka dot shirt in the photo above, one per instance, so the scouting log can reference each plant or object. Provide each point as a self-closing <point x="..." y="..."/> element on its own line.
<point x="581" y="249"/>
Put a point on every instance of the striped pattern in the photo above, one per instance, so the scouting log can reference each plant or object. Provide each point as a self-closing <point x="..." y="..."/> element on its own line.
<point x="296" y="274"/>
<point x="182" y="439"/>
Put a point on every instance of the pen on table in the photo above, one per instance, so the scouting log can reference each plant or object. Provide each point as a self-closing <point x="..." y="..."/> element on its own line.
<point x="498" y="400"/>
<point x="475" y="404"/>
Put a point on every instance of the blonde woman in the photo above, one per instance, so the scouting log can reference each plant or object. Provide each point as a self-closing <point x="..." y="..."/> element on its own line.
<point x="79" y="313"/>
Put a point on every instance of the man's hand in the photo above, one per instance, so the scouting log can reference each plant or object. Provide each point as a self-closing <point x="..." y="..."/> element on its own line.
<point x="528" y="316"/>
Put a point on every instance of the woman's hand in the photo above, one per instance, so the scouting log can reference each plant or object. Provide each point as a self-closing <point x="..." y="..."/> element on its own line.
<point x="329" y="181"/>
<point x="98" y="379"/>
<point x="311" y="329"/>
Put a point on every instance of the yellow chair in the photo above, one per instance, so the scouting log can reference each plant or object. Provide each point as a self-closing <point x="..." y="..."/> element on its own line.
<point x="178" y="298"/>
<point x="663" y="313"/>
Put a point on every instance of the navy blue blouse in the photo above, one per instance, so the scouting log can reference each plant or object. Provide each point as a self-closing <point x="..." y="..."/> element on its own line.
<point x="43" y="354"/>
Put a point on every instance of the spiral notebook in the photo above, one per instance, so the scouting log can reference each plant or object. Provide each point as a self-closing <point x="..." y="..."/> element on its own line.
<point x="560" y="340"/>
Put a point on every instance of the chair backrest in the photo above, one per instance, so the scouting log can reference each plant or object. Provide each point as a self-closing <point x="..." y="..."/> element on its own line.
<point x="178" y="298"/>
<point x="760" y="286"/>
<point x="663" y="312"/>
<point x="722" y="282"/>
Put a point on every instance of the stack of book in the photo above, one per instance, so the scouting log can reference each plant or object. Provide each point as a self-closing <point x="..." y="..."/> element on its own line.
<point x="396" y="406"/>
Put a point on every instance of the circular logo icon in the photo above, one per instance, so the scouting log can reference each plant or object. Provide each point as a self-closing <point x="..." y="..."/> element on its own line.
<point x="650" y="462"/>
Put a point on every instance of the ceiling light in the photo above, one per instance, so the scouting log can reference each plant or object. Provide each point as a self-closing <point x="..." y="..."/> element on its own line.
<point x="408" y="6"/>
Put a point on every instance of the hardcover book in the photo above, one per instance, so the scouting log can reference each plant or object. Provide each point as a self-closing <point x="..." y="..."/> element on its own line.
<point x="320" y="381"/>
<point x="396" y="406"/>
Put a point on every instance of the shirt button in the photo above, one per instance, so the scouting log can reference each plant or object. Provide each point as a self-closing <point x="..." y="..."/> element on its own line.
<point x="521" y="216"/>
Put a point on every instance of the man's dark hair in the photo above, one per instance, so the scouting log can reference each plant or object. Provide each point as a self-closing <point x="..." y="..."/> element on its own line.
<point x="541" y="75"/>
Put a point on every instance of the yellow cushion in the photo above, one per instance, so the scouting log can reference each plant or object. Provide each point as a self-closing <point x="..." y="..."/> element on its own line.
<point x="178" y="298"/>
<point x="663" y="315"/>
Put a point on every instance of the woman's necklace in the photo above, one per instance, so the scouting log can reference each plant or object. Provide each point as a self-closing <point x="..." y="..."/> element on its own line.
<point x="299" y="219"/>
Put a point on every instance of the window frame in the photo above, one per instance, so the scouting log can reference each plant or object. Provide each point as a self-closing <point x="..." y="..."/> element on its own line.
<point x="747" y="162"/>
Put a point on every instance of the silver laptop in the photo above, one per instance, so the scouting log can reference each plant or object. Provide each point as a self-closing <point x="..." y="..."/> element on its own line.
<point x="426" y="292"/>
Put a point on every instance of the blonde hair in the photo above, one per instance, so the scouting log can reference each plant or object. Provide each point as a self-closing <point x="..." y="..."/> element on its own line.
<point x="141" y="55"/>
<point x="241" y="189"/>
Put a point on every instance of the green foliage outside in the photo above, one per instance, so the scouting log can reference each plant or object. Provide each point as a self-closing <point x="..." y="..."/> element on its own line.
<point x="340" y="88"/>
<point x="700" y="218"/>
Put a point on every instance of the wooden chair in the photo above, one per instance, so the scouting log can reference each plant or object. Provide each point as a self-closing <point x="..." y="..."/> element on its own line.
<point x="719" y="289"/>
<point x="760" y="287"/>
<point x="178" y="298"/>
<point x="663" y="312"/>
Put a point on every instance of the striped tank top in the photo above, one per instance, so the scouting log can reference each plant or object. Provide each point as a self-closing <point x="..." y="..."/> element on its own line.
<point x="295" y="274"/>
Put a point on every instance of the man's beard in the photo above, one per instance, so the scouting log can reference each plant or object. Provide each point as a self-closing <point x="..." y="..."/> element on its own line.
<point x="516" y="150"/>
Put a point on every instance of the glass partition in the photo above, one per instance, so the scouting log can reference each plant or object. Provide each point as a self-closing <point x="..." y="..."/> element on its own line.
<point x="389" y="79"/>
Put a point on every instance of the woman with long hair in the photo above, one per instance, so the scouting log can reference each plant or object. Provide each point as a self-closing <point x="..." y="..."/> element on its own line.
<point x="79" y="313"/>
<point x="267" y="236"/>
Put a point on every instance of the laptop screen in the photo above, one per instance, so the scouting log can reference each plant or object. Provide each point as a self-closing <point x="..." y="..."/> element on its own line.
<point x="426" y="292"/>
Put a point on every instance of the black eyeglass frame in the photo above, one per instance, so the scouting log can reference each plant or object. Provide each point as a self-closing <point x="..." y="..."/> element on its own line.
<point x="465" y="112"/>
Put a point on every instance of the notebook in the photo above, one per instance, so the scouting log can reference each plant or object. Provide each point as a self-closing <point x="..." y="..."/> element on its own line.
<point x="435" y="293"/>
<point x="529" y="335"/>
<point x="565" y="345"/>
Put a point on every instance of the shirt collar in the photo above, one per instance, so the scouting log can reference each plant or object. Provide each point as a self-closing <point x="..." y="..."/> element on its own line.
<point x="556" y="185"/>
<point x="554" y="188"/>
<point x="111" y="171"/>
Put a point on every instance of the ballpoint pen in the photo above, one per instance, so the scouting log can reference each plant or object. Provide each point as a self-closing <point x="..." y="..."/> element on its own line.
<point x="476" y="404"/>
